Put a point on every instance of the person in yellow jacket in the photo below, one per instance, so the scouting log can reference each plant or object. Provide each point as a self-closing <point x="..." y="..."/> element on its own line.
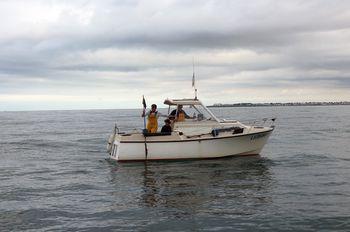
<point x="179" y="114"/>
<point x="152" y="119"/>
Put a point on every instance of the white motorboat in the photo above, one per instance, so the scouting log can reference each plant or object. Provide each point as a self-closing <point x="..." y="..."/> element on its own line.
<point x="202" y="136"/>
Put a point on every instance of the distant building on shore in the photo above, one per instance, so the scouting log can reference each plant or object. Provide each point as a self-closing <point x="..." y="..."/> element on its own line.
<point x="281" y="104"/>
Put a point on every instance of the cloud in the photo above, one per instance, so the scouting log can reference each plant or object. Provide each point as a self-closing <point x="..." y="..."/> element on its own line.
<point x="109" y="48"/>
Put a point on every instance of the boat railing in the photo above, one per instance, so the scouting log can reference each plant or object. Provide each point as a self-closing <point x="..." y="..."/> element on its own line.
<point x="116" y="128"/>
<point x="262" y="123"/>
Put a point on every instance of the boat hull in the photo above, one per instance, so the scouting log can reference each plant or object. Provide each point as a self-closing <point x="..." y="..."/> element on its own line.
<point x="190" y="148"/>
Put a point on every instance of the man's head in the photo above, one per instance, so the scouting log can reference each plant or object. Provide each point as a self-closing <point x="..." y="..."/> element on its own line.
<point x="154" y="106"/>
<point x="167" y="121"/>
<point x="179" y="107"/>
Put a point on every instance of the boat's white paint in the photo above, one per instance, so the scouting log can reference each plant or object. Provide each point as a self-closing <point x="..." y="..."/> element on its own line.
<point x="208" y="146"/>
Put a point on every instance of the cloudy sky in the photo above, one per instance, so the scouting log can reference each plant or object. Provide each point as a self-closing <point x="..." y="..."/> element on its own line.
<point x="84" y="54"/>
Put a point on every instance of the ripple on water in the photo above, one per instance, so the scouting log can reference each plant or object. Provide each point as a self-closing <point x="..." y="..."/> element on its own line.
<point x="54" y="177"/>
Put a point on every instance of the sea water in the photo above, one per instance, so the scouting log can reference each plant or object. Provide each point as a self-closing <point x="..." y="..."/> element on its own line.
<point x="55" y="176"/>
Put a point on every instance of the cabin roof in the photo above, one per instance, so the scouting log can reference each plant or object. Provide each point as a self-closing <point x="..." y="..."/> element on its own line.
<point x="173" y="102"/>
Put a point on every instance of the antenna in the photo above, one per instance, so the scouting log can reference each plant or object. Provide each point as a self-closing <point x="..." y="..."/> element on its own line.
<point x="194" y="81"/>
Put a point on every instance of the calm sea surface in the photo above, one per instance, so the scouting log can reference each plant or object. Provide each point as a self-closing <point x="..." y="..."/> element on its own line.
<point x="55" y="176"/>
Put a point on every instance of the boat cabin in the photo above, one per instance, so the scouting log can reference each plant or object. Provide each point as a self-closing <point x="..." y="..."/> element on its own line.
<point x="192" y="107"/>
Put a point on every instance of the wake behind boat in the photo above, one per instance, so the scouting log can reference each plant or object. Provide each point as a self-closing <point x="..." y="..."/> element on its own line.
<point x="202" y="136"/>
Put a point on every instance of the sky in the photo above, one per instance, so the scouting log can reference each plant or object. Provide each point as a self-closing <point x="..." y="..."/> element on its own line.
<point x="106" y="54"/>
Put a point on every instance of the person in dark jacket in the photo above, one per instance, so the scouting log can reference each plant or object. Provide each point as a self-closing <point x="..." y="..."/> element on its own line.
<point x="167" y="127"/>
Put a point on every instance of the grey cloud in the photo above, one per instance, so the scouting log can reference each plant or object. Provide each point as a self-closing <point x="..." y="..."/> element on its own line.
<point x="298" y="35"/>
<point x="98" y="68"/>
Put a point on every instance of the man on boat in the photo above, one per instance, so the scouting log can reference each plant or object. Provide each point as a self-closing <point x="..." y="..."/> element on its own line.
<point x="152" y="118"/>
<point x="180" y="114"/>
<point x="167" y="127"/>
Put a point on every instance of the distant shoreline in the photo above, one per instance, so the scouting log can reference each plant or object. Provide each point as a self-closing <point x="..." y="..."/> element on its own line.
<point x="282" y="104"/>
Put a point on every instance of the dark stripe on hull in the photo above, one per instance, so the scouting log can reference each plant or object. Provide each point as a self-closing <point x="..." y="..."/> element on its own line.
<point x="179" y="159"/>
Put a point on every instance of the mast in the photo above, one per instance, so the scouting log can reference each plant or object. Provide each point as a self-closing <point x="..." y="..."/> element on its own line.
<point x="194" y="81"/>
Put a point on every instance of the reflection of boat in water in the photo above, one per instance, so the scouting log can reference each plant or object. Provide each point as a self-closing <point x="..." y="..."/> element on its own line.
<point x="203" y="136"/>
<point x="188" y="188"/>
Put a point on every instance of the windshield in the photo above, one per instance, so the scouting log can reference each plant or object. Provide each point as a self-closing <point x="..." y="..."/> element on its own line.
<point x="198" y="111"/>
